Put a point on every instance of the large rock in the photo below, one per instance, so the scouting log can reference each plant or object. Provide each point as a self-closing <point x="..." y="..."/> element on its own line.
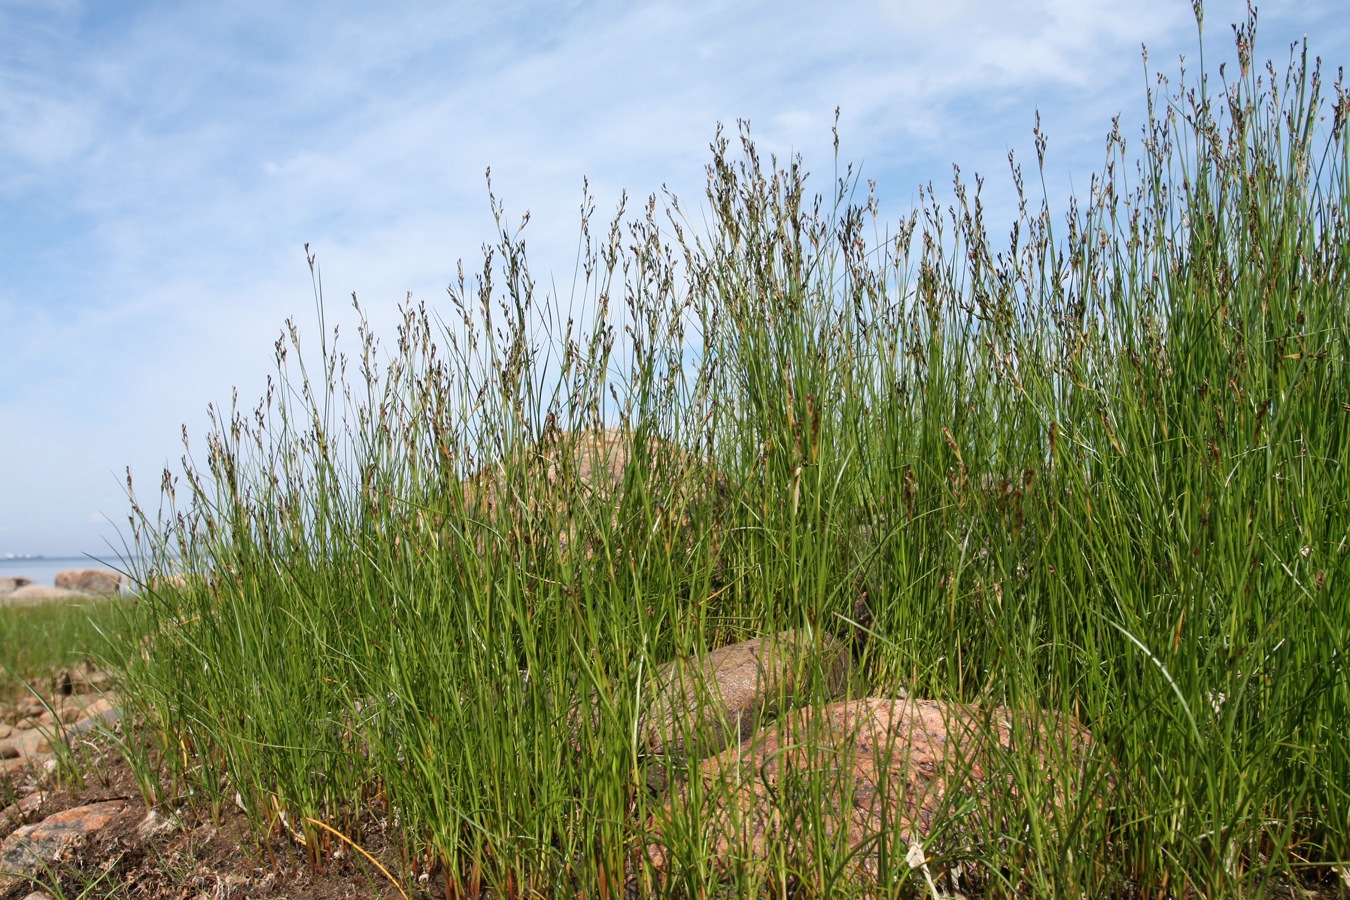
<point x="702" y="705"/>
<point x="886" y="770"/>
<point x="38" y="593"/>
<point x="33" y="849"/>
<point x="560" y="489"/>
<point x="90" y="581"/>
<point x="11" y="583"/>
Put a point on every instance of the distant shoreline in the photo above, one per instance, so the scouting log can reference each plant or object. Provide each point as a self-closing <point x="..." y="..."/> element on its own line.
<point x="43" y="569"/>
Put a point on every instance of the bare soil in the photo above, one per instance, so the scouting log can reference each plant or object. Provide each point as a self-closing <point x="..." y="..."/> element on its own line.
<point x="179" y="850"/>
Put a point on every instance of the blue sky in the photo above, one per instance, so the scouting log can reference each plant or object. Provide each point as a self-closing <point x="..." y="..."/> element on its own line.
<point x="163" y="164"/>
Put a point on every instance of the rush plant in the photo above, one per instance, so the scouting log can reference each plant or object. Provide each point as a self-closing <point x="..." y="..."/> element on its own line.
<point x="1099" y="471"/>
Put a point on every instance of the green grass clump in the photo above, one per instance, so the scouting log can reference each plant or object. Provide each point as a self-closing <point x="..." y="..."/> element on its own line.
<point x="1100" y="471"/>
<point x="37" y="639"/>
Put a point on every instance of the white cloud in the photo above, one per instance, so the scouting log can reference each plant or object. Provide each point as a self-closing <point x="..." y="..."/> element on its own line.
<point x="164" y="164"/>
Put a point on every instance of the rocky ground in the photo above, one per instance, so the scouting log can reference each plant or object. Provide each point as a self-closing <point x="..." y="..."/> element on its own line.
<point x="73" y="821"/>
<point x="77" y="820"/>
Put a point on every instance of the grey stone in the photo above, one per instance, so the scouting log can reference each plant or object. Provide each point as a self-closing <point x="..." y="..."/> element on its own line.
<point x="156" y="825"/>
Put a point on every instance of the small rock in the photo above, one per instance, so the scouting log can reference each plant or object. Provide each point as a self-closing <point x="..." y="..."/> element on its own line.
<point x="154" y="824"/>
<point x="39" y="895"/>
<point x="78" y="721"/>
<point x="99" y="714"/>
<point x="5" y="731"/>
<point x="9" y="751"/>
<point x="32" y="848"/>
<point x="11" y="583"/>
<point x="81" y="679"/>
<point x="21" y="811"/>
<point x="98" y="707"/>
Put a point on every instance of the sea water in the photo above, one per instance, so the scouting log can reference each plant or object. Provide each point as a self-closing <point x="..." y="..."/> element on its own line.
<point x="43" y="569"/>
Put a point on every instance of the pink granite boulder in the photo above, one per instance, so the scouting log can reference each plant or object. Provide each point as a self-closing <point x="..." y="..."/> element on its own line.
<point x="38" y="593"/>
<point x="90" y="581"/>
<point x="701" y="705"/>
<point x="886" y="771"/>
<point x="32" y="849"/>
<point x="11" y="583"/>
